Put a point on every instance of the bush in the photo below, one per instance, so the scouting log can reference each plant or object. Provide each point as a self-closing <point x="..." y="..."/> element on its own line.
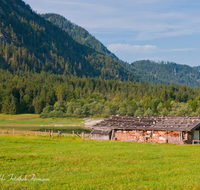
<point x="47" y="109"/>
<point x="54" y="113"/>
<point x="60" y="106"/>
<point x="78" y="112"/>
<point x="57" y="114"/>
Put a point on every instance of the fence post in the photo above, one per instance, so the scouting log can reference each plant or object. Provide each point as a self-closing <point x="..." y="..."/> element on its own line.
<point x="73" y="134"/>
<point x="51" y="133"/>
<point x="82" y="135"/>
<point x="35" y="134"/>
<point x="2" y="132"/>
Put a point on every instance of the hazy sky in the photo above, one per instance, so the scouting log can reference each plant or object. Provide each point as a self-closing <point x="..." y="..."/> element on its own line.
<point x="167" y="30"/>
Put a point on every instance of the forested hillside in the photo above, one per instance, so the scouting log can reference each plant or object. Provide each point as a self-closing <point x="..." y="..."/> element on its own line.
<point x="165" y="73"/>
<point x="44" y="70"/>
<point x="67" y="96"/>
<point x="29" y="42"/>
<point x="78" y="33"/>
<point x="197" y="67"/>
<point x="145" y="70"/>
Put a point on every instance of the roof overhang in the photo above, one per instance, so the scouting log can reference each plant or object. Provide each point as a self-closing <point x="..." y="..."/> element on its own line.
<point x="195" y="127"/>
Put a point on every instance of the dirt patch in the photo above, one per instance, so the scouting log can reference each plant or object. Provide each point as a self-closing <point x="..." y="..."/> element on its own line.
<point x="90" y="122"/>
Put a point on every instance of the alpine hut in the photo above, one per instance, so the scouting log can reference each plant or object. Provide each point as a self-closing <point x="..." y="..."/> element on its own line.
<point x="165" y="129"/>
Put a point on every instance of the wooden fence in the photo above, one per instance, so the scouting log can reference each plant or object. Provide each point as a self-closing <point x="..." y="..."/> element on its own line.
<point x="49" y="133"/>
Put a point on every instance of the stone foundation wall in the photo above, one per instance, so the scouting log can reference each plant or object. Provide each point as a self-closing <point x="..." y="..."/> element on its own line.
<point x="146" y="136"/>
<point x="137" y="136"/>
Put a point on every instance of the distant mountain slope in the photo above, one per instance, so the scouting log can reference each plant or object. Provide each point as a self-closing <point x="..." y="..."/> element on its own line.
<point x="166" y="73"/>
<point x="31" y="43"/>
<point x="142" y="74"/>
<point x="152" y="72"/>
<point x="197" y="67"/>
<point x="78" y="33"/>
<point x="83" y="36"/>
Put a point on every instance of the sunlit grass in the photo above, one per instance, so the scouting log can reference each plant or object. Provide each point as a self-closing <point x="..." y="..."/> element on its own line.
<point x="35" y="120"/>
<point x="75" y="164"/>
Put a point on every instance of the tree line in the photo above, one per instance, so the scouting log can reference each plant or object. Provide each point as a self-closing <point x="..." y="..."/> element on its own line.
<point x="71" y="96"/>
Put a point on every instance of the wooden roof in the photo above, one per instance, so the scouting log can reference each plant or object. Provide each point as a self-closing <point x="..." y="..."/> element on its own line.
<point x="164" y="123"/>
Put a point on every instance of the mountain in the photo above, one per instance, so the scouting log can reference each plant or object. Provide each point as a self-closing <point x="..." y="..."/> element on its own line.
<point x="31" y="43"/>
<point x="145" y="70"/>
<point x="142" y="74"/>
<point x="197" y="67"/>
<point x="166" y="73"/>
<point x="78" y="33"/>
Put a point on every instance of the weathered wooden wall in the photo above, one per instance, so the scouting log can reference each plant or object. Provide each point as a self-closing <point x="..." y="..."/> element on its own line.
<point x="100" y="137"/>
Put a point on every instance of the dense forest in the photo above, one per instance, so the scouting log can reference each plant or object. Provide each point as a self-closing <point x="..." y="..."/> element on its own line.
<point x="164" y="72"/>
<point x="168" y="72"/>
<point x="31" y="42"/>
<point x="43" y="70"/>
<point x="66" y="96"/>
<point x="78" y="33"/>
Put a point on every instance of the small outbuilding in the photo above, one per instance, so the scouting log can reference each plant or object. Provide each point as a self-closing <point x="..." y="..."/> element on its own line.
<point x="165" y="129"/>
<point x="101" y="134"/>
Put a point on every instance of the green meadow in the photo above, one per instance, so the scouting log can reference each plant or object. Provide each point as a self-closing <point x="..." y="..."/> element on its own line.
<point x="34" y="120"/>
<point x="28" y="162"/>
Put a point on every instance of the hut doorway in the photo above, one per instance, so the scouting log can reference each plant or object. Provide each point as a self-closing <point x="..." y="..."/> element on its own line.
<point x="196" y="135"/>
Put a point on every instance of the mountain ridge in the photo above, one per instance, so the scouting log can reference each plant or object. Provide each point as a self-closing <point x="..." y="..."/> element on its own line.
<point x="83" y="37"/>
<point x="147" y="73"/>
<point x="169" y="72"/>
<point x="35" y="44"/>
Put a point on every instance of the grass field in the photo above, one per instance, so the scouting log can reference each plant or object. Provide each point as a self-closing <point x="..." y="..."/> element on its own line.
<point x="32" y="122"/>
<point x="35" y="120"/>
<point x="67" y="163"/>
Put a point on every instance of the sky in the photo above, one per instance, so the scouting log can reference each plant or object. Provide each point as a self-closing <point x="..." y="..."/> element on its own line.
<point x="158" y="30"/>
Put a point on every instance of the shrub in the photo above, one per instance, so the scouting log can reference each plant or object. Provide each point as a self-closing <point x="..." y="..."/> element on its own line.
<point x="60" y="106"/>
<point x="47" y="109"/>
<point x="78" y="112"/>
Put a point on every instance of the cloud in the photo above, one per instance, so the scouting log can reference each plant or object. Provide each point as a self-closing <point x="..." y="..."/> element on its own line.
<point x="145" y="19"/>
<point x="145" y="49"/>
<point x="126" y="48"/>
<point x="182" y="49"/>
